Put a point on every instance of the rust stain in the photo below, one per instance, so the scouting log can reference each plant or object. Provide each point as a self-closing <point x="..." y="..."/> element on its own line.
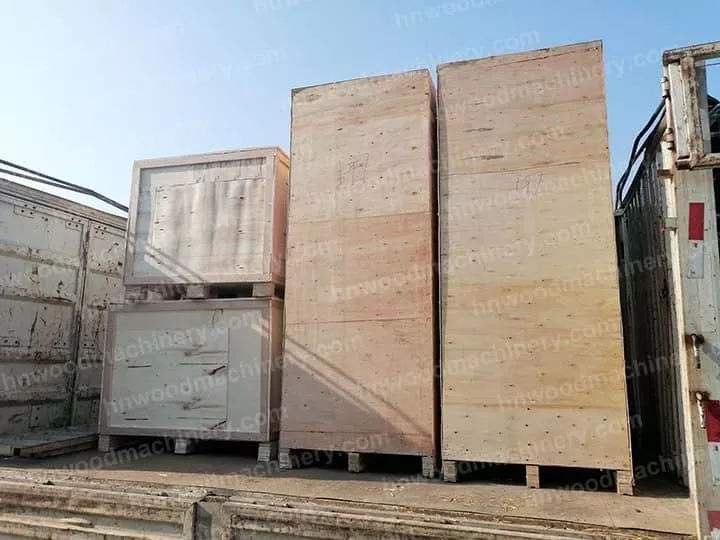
<point x="32" y="327"/>
<point x="214" y="371"/>
<point x="191" y="403"/>
<point x="196" y="351"/>
<point x="17" y="418"/>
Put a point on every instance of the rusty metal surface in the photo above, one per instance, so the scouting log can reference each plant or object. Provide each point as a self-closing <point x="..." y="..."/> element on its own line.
<point x="59" y="267"/>
<point x="103" y="285"/>
<point x="700" y="52"/>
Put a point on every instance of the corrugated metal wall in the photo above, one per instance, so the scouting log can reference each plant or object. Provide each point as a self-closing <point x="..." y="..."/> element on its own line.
<point x="60" y="265"/>
<point x="650" y="335"/>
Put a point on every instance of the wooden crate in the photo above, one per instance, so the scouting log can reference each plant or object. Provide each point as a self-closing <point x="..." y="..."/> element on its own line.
<point x="215" y="218"/>
<point x="194" y="370"/>
<point x="359" y="335"/>
<point x="532" y="352"/>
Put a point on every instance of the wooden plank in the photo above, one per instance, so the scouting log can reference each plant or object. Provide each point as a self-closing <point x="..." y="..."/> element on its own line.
<point x="276" y="366"/>
<point x="207" y="219"/>
<point x="358" y="370"/>
<point x="357" y="462"/>
<point x="248" y="361"/>
<point x="267" y="452"/>
<point x="184" y="446"/>
<point x="532" y="476"/>
<point x="48" y="442"/>
<point x="533" y="368"/>
<point x="280" y="208"/>
<point x="624" y="481"/>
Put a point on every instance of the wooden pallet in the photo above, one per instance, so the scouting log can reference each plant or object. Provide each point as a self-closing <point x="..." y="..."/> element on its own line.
<point x="47" y="443"/>
<point x="267" y="451"/>
<point x="357" y="462"/>
<point x="452" y="471"/>
<point x="160" y="293"/>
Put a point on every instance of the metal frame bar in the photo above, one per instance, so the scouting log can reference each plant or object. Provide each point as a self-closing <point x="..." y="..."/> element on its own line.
<point x="699" y="52"/>
<point x="687" y="88"/>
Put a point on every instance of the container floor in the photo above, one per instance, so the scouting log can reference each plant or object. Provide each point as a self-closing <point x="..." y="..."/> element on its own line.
<point x="656" y="507"/>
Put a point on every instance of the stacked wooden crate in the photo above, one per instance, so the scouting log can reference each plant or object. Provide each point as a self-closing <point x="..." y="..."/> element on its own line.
<point x="532" y="354"/>
<point x="194" y="353"/>
<point x="359" y="354"/>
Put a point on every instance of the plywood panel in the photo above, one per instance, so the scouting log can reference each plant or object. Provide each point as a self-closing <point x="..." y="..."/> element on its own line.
<point x="359" y="342"/>
<point x="280" y="208"/>
<point x="368" y="378"/>
<point x="533" y="368"/>
<point x="341" y="285"/>
<point x="208" y="218"/>
<point x="248" y="364"/>
<point x="155" y="396"/>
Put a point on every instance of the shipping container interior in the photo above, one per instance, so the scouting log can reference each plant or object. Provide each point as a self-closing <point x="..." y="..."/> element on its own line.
<point x="655" y="394"/>
<point x="231" y="467"/>
<point x="60" y="265"/>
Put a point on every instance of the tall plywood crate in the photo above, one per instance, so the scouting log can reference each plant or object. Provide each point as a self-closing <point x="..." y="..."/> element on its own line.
<point x="532" y="353"/>
<point x="359" y="334"/>
<point x="208" y="219"/>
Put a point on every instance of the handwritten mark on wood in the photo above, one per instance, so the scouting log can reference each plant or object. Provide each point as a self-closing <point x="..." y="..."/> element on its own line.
<point x="530" y="184"/>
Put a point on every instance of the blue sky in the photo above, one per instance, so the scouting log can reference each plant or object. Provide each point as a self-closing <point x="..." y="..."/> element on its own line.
<point x="89" y="86"/>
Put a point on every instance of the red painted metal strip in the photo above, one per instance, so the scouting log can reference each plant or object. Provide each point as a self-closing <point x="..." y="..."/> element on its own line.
<point x="712" y="420"/>
<point x="697" y="221"/>
<point x="714" y="519"/>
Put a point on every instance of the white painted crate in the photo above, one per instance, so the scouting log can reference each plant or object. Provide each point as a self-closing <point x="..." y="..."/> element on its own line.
<point x="194" y="369"/>
<point x="216" y="218"/>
